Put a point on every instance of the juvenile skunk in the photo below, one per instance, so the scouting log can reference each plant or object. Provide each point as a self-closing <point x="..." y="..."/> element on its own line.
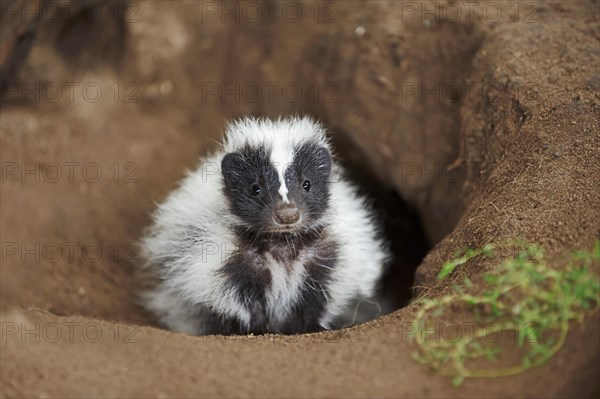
<point x="265" y="236"/>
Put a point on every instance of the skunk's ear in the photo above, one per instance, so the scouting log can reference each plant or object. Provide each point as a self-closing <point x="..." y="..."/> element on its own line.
<point x="232" y="167"/>
<point x="324" y="161"/>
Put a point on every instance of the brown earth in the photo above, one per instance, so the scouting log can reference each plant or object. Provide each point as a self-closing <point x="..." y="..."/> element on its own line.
<point x="486" y="124"/>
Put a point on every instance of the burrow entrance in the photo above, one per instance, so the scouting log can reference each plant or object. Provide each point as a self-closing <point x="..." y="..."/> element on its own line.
<point x="401" y="224"/>
<point x="439" y="56"/>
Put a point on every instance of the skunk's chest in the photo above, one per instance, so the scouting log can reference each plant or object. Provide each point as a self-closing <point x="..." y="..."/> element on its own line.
<point x="282" y="281"/>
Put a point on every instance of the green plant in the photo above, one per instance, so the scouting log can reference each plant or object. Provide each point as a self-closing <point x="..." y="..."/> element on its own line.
<point x="523" y="295"/>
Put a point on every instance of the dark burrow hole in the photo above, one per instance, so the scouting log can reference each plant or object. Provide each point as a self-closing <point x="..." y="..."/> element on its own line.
<point x="401" y="225"/>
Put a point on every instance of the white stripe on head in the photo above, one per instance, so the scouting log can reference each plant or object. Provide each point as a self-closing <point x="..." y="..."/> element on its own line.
<point x="281" y="157"/>
<point x="281" y="135"/>
<point x="283" y="191"/>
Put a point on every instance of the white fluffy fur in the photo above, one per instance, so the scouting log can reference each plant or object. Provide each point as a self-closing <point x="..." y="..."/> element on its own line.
<point x="192" y="283"/>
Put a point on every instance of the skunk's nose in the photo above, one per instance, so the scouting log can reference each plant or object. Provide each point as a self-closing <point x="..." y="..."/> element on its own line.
<point x="287" y="214"/>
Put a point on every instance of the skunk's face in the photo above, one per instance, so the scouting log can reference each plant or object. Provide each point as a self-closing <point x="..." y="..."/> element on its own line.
<point x="272" y="191"/>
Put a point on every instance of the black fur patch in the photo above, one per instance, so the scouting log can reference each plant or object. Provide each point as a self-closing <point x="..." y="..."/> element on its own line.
<point x="284" y="247"/>
<point x="249" y="278"/>
<point x="313" y="163"/>
<point x="241" y="171"/>
<point x="314" y="295"/>
<point x="217" y="324"/>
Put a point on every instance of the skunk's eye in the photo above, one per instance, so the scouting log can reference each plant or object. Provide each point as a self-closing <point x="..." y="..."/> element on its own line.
<point x="256" y="189"/>
<point x="306" y="185"/>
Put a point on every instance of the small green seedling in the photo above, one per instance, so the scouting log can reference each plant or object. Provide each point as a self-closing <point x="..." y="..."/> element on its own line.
<point x="523" y="295"/>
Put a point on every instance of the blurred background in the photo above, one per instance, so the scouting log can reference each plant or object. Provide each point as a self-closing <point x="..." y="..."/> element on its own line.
<point x="475" y="115"/>
<point x="105" y="104"/>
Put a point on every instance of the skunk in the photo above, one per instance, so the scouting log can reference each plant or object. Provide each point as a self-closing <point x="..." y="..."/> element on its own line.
<point x="265" y="236"/>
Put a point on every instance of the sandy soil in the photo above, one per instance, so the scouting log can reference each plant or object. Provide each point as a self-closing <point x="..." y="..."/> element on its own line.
<point x="80" y="174"/>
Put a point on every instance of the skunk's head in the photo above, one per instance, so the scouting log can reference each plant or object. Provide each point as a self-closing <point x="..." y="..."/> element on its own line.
<point x="277" y="174"/>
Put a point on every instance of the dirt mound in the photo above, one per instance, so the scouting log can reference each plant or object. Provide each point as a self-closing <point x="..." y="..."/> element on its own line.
<point x="481" y="116"/>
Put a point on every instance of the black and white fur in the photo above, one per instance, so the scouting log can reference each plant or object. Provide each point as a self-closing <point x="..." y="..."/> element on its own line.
<point x="265" y="236"/>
